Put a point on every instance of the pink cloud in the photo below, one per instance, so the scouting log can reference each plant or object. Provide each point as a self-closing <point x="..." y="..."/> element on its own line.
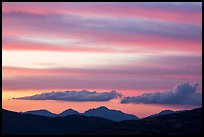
<point x="183" y="13"/>
<point x="116" y="78"/>
<point x="101" y="27"/>
<point x="123" y="33"/>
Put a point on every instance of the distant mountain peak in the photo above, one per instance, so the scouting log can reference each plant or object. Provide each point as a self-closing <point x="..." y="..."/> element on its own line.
<point x="166" y="111"/>
<point x="84" y="90"/>
<point x="68" y="112"/>
<point x="105" y="112"/>
<point x="163" y="112"/>
<point x="103" y="107"/>
<point x="70" y="109"/>
<point x="41" y="112"/>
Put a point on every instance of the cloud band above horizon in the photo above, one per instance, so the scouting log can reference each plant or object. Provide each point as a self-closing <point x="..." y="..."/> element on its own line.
<point x="182" y="94"/>
<point x="78" y="96"/>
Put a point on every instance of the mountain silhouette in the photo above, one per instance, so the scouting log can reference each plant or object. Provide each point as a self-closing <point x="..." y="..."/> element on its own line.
<point x="164" y="112"/>
<point x="183" y="123"/>
<point x="187" y="122"/>
<point x="42" y="112"/>
<point x="114" y="115"/>
<point x="28" y="124"/>
<point x="68" y="112"/>
<point x="102" y="111"/>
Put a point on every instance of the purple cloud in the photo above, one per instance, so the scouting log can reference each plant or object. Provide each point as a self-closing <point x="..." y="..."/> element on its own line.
<point x="182" y="94"/>
<point x="57" y="23"/>
<point x="77" y="96"/>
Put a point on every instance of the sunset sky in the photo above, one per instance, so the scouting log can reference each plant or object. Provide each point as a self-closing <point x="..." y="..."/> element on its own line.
<point x="139" y="58"/>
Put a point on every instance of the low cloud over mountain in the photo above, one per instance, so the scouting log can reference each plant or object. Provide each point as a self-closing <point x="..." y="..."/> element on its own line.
<point x="83" y="95"/>
<point x="182" y="94"/>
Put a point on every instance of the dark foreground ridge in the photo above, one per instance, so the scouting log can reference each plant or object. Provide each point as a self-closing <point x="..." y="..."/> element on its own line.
<point x="183" y="123"/>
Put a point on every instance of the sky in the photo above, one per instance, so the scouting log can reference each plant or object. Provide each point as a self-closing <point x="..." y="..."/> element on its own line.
<point x="136" y="57"/>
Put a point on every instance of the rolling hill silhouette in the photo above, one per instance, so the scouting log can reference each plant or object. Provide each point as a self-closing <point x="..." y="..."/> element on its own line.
<point x="183" y="123"/>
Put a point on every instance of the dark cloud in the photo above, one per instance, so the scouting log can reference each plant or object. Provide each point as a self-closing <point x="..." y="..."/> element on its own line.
<point x="182" y="94"/>
<point x="79" y="96"/>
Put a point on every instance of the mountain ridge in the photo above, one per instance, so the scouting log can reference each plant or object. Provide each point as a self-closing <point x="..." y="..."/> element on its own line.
<point x="102" y="111"/>
<point x="41" y="112"/>
<point x="184" y="123"/>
